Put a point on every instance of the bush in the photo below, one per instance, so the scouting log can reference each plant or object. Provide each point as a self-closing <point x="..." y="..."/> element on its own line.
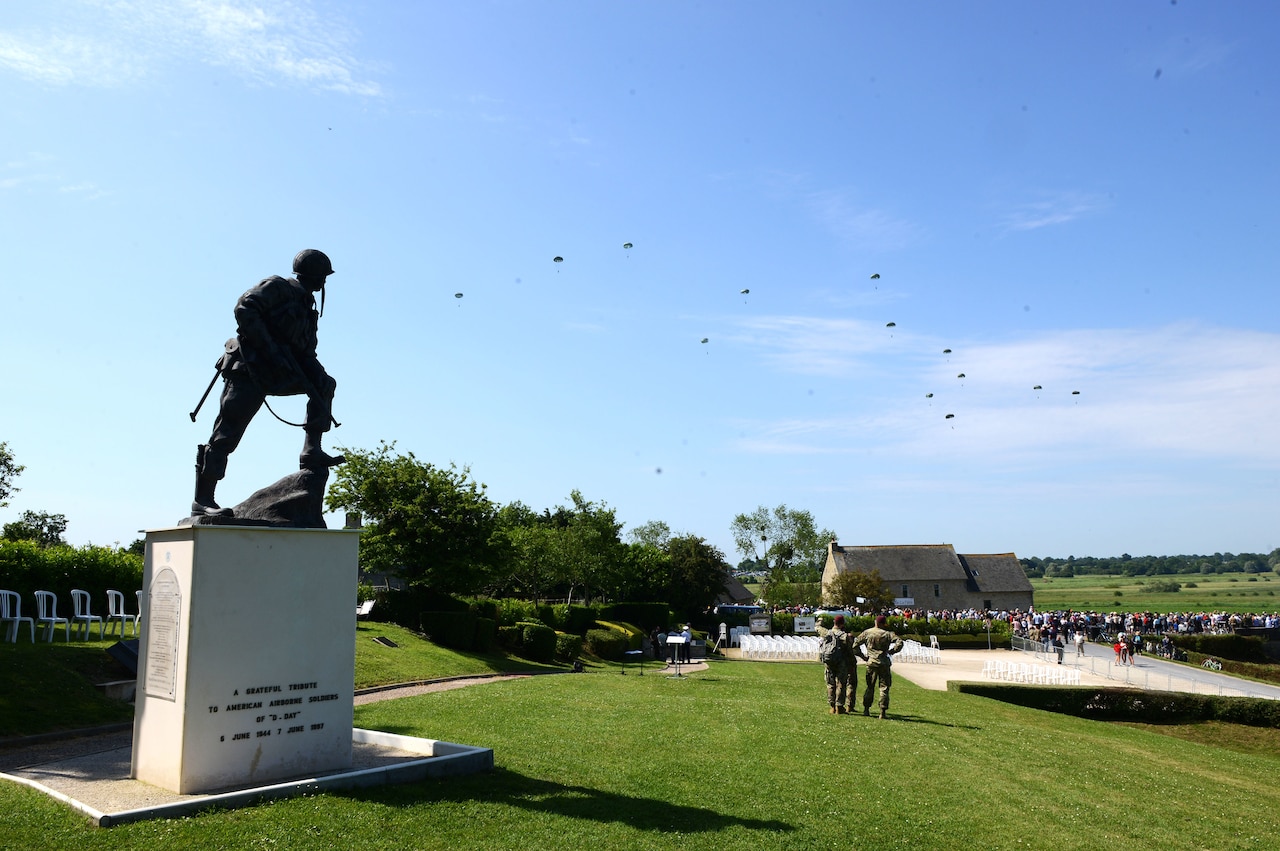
<point x="512" y="611"/>
<point x="647" y="615"/>
<point x="510" y="637"/>
<point x="1120" y="704"/>
<point x="27" y="568"/>
<point x="632" y="634"/>
<point x="450" y="629"/>
<point x="486" y="634"/>
<point x="538" y="642"/>
<point x="568" y="646"/>
<point x="783" y="623"/>
<point x="1241" y="648"/>
<point x="578" y="619"/>
<point x="606" y="643"/>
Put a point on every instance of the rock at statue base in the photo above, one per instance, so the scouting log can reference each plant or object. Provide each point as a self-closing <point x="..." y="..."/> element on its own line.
<point x="294" y="502"/>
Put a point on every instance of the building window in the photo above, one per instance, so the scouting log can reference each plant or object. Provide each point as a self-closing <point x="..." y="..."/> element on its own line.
<point x="986" y="604"/>
<point x="937" y="590"/>
<point x="905" y="592"/>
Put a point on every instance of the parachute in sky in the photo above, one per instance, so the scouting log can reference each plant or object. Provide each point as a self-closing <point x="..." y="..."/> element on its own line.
<point x="961" y="375"/>
<point x="946" y="351"/>
<point x="876" y="276"/>
<point x="892" y="325"/>
<point x="950" y="416"/>
<point x="557" y="259"/>
<point x="744" y="292"/>
<point x="928" y="395"/>
<point x="1075" y="392"/>
<point x="704" y="339"/>
<point x="1037" y="387"/>
<point x="626" y="245"/>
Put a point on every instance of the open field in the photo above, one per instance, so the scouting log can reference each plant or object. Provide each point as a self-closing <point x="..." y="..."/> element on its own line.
<point x="1226" y="592"/>
<point x="742" y="755"/>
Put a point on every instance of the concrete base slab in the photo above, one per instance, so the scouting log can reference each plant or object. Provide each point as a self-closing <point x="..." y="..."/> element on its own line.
<point x="96" y="782"/>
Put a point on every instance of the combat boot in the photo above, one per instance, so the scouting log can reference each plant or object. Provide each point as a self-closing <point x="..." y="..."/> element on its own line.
<point x="207" y="477"/>
<point x="315" y="458"/>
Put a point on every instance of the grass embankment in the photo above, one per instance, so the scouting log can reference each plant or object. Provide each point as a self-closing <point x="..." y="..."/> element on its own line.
<point x="740" y="756"/>
<point x="1230" y="592"/>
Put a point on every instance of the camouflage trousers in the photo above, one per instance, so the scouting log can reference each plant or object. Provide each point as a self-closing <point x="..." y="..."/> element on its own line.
<point x="877" y="678"/>
<point x="842" y="686"/>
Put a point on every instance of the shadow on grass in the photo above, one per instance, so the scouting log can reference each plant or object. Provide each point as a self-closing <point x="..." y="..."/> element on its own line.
<point x="915" y="719"/>
<point x="509" y="788"/>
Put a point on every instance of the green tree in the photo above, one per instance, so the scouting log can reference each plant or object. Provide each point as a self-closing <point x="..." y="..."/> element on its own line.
<point x="784" y="538"/>
<point x="846" y="589"/>
<point x="431" y="526"/>
<point x="655" y="533"/>
<point x="698" y="574"/>
<point x="40" y="526"/>
<point x="9" y="470"/>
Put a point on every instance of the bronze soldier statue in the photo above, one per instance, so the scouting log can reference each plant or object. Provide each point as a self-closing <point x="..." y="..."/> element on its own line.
<point x="272" y="354"/>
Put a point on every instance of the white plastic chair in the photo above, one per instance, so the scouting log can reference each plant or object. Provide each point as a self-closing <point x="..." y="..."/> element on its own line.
<point x="933" y="642"/>
<point x="11" y="614"/>
<point x="47" y="614"/>
<point x="82" y="615"/>
<point x="137" y="619"/>
<point x="116" y="612"/>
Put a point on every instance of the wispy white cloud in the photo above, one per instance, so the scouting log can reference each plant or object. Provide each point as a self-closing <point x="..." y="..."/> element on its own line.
<point x="860" y="225"/>
<point x="113" y="42"/>
<point x="1053" y="210"/>
<point x="1181" y="393"/>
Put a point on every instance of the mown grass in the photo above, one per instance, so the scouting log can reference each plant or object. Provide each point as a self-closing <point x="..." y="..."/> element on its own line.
<point x="1232" y="592"/>
<point x="742" y="755"/>
<point x="413" y="659"/>
<point x="47" y="687"/>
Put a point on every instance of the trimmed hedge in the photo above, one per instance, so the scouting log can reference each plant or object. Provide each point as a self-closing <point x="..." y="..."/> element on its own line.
<point x="648" y="615"/>
<point x="486" y="634"/>
<point x="606" y="643"/>
<point x="28" y="568"/>
<point x="538" y="642"/>
<point x="450" y="629"/>
<point x="568" y="646"/>
<point x="630" y="633"/>
<point x="1241" y="648"/>
<point x="1121" y="704"/>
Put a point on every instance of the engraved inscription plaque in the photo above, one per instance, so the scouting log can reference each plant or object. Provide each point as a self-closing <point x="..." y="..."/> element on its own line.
<point x="164" y="620"/>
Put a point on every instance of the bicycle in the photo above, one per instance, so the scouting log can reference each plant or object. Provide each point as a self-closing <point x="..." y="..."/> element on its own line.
<point x="1211" y="664"/>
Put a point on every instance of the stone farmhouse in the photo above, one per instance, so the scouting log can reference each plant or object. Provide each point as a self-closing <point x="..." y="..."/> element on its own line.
<point x="935" y="576"/>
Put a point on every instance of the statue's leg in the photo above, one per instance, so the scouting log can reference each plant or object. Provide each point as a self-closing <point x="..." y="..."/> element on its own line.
<point x="319" y="418"/>
<point x="241" y="399"/>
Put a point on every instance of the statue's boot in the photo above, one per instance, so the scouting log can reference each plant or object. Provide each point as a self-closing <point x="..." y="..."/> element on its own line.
<point x="209" y="470"/>
<point x="315" y="458"/>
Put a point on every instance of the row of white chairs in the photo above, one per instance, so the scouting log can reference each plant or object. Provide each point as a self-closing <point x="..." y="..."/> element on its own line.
<point x="1023" y="672"/>
<point x="11" y="617"/>
<point x="791" y="647"/>
<point x="914" y="651"/>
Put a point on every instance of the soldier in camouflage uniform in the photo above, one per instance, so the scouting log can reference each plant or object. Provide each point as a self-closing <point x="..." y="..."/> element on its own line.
<point x="880" y="644"/>
<point x="840" y="670"/>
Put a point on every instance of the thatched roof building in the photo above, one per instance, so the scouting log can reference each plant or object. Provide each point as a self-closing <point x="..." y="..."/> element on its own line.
<point x="935" y="576"/>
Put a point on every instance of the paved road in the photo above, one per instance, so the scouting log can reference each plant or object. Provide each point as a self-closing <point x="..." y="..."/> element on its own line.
<point x="1152" y="672"/>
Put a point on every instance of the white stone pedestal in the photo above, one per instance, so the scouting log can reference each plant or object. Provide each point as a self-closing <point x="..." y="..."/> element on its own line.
<point x="246" y="664"/>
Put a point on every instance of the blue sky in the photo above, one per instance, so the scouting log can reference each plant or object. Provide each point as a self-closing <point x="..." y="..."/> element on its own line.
<point x="1080" y="196"/>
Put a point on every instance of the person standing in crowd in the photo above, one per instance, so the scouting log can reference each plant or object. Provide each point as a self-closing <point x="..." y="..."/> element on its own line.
<point x="880" y="644"/>
<point x="836" y="653"/>
<point x="687" y="648"/>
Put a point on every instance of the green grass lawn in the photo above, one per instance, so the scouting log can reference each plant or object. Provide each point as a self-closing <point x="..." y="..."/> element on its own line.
<point x="1231" y="592"/>
<point x="742" y="755"/>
